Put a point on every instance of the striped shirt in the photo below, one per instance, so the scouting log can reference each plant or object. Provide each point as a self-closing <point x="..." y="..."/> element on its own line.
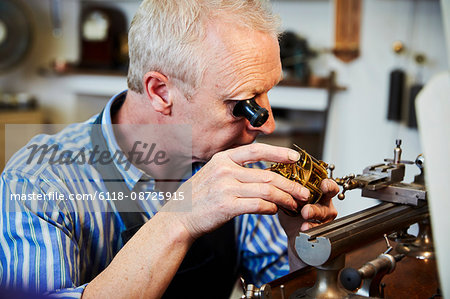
<point x="58" y="247"/>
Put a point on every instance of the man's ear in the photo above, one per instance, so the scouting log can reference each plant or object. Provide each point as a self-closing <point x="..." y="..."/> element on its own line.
<point x="157" y="91"/>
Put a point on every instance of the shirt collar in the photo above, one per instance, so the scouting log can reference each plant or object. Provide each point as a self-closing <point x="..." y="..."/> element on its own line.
<point x="130" y="173"/>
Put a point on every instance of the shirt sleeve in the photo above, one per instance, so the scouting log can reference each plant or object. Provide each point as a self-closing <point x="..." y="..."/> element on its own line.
<point x="39" y="251"/>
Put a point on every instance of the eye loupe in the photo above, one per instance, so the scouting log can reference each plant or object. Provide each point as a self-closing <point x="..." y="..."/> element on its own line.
<point x="249" y="109"/>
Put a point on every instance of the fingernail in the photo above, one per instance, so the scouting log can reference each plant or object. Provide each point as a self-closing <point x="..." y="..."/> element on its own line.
<point x="325" y="185"/>
<point x="305" y="194"/>
<point x="305" y="226"/>
<point x="293" y="155"/>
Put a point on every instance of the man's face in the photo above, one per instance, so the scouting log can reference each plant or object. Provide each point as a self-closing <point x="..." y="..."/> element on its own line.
<point x="241" y="64"/>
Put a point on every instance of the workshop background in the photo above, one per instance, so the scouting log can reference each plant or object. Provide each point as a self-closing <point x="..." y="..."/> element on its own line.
<point x="336" y="109"/>
<point x="357" y="132"/>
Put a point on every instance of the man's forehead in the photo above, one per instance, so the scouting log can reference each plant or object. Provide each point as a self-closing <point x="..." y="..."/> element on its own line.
<point x="239" y="54"/>
<point x="224" y="33"/>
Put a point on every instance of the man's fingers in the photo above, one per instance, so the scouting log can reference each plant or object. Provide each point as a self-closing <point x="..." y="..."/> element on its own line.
<point x="269" y="193"/>
<point x="262" y="152"/>
<point x="296" y="190"/>
<point x="323" y="210"/>
<point x="308" y="225"/>
<point x="329" y="187"/>
<point x="319" y="212"/>
<point x="256" y="206"/>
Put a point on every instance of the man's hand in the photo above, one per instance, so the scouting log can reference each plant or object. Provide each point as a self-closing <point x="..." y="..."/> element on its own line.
<point x="323" y="211"/>
<point x="311" y="215"/>
<point x="223" y="189"/>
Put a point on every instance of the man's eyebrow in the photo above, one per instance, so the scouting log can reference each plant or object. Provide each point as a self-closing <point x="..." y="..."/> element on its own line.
<point x="256" y="91"/>
<point x="260" y="90"/>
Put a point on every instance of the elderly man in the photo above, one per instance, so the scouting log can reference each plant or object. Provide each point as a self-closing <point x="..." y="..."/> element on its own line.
<point x="191" y="62"/>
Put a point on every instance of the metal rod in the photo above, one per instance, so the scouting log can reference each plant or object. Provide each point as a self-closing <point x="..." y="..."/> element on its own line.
<point x="321" y="244"/>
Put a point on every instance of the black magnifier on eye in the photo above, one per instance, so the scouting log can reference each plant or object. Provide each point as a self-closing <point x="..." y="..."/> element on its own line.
<point x="249" y="109"/>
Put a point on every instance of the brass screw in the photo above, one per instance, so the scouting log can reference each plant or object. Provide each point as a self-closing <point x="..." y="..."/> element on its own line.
<point x="420" y="58"/>
<point x="398" y="47"/>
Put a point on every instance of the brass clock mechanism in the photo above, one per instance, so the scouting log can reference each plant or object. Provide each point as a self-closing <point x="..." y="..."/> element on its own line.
<point x="307" y="171"/>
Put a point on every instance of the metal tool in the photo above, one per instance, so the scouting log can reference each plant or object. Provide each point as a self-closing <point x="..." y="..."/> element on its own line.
<point x="421" y="247"/>
<point x="325" y="246"/>
<point x="253" y="292"/>
<point x="366" y="280"/>
<point x="384" y="181"/>
<point x="323" y="243"/>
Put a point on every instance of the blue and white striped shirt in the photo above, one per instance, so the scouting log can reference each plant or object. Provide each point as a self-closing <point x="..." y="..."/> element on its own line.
<point x="58" y="247"/>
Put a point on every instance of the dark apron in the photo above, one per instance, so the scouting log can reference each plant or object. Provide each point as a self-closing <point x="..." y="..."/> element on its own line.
<point x="209" y="269"/>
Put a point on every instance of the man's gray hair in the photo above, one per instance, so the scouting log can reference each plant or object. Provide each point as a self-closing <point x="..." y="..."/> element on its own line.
<point x="167" y="35"/>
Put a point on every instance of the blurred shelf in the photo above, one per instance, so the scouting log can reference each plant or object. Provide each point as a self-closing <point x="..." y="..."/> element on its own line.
<point x="287" y="97"/>
<point x="290" y="94"/>
<point x="68" y="70"/>
<point x="316" y="93"/>
<point x="313" y="82"/>
<point x="88" y="81"/>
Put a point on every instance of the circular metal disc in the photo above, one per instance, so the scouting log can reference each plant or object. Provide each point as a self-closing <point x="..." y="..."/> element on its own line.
<point x="15" y="37"/>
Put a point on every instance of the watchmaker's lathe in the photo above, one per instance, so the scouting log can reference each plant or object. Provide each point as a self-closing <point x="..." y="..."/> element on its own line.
<point x="324" y="247"/>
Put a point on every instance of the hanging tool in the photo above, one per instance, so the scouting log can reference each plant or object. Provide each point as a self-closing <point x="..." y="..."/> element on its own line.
<point x="396" y="87"/>
<point x="414" y="90"/>
<point x="55" y="9"/>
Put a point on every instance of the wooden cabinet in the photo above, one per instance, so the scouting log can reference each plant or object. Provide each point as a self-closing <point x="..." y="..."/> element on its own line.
<point x="15" y="117"/>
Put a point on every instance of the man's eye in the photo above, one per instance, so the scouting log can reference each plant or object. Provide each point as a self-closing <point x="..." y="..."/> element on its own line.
<point x="230" y="104"/>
